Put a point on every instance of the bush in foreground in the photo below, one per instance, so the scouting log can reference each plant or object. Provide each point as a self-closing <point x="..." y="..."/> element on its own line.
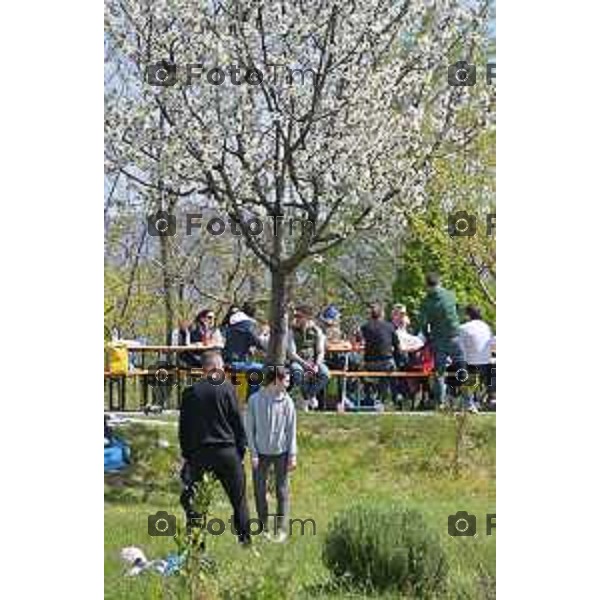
<point x="386" y="546"/>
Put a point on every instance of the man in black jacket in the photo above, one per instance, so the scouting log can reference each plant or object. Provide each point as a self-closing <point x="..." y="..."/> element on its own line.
<point x="212" y="439"/>
<point x="381" y="346"/>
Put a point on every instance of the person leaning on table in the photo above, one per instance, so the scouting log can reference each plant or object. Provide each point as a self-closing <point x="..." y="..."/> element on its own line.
<point x="438" y="320"/>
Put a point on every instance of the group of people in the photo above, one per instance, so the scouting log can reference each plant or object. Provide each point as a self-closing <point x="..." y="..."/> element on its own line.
<point x="385" y="345"/>
<point x="214" y="436"/>
<point x="239" y="335"/>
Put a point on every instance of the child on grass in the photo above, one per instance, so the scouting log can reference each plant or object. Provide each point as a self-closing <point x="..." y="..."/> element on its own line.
<point x="271" y="432"/>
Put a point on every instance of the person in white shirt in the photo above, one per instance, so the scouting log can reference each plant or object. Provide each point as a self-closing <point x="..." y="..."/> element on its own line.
<point x="475" y="339"/>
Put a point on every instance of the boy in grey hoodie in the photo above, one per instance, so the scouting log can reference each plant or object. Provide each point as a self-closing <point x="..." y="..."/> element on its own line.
<point x="271" y="432"/>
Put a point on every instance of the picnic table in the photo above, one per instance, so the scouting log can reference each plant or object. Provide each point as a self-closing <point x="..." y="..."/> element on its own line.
<point x="140" y="371"/>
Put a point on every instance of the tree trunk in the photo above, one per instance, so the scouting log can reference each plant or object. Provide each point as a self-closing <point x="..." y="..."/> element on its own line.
<point x="277" y="318"/>
<point x="167" y="288"/>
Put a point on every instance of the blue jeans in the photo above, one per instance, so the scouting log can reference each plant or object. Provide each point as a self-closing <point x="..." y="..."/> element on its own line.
<point x="309" y="383"/>
<point x="442" y="350"/>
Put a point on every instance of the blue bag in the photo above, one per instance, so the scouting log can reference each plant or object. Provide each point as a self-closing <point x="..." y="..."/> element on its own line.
<point x="117" y="455"/>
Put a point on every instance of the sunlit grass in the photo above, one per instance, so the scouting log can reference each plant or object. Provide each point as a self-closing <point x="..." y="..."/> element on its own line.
<point x="342" y="459"/>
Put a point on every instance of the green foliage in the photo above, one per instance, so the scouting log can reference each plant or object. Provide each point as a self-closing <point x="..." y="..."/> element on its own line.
<point x="428" y="247"/>
<point x="254" y="581"/>
<point x="466" y="264"/>
<point x="154" y="460"/>
<point x="409" y="461"/>
<point x="386" y="546"/>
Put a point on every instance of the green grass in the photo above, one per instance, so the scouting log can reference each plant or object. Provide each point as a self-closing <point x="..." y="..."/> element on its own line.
<point x="343" y="459"/>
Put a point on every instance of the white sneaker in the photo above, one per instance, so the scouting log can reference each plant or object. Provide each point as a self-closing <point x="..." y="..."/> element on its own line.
<point x="304" y="405"/>
<point x="280" y="538"/>
<point x="313" y="403"/>
<point x="473" y="409"/>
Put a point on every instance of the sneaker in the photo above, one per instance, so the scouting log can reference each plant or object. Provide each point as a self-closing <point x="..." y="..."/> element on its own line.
<point x="304" y="405"/>
<point x="280" y="538"/>
<point x="473" y="409"/>
<point x="313" y="403"/>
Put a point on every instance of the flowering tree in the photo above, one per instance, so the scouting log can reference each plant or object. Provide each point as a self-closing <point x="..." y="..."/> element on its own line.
<point x="327" y="111"/>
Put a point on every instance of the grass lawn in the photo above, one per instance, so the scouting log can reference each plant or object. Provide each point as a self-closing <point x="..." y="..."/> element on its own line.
<point x="343" y="459"/>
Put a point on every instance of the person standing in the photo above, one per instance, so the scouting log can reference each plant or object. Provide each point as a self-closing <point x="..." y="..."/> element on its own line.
<point x="476" y="342"/>
<point x="306" y="351"/>
<point x="213" y="439"/>
<point x="439" y="322"/>
<point x="271" y="428"/>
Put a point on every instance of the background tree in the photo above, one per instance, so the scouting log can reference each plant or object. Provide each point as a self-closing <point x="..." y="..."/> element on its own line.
<point x="350" y="146"/>
<point x="467" y="264"/>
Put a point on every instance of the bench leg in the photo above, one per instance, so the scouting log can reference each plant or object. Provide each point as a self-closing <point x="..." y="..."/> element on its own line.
<point x="123" y="394"/>
<point x="111" y="382"/>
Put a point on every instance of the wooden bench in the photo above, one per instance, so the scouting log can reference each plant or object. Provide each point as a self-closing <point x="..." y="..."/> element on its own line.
<point x="120" y="380"/>
<point x="337" y="373"/>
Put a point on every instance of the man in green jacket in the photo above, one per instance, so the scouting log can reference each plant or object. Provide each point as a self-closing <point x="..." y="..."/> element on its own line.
<point x="439" y="322"/>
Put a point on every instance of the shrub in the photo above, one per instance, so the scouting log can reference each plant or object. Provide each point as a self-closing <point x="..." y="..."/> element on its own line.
<point x="386" y="546"/>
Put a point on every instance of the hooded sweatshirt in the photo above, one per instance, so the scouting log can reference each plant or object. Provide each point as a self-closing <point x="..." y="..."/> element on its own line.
<point x="271" y="423"/>
<point x="241" y="335"/>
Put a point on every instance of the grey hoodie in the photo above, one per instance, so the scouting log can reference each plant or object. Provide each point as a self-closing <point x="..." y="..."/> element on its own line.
<point x="271" y="423"/>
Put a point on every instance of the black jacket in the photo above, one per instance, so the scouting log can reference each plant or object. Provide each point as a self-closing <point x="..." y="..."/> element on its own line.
<point x="210" y="417"/>
<point x="239" y="338"/>
<point x="381" y="341"/>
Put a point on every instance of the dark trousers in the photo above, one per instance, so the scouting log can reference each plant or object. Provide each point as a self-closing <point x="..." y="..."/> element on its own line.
<point x="225" y="464"/>
<point x="382" y="384"/>
<point x="261" y="475"/>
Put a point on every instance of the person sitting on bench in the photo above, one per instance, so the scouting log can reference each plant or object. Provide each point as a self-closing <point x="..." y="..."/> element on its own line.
<point x="306" y="351"/>
<point x="381" y="345"/>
